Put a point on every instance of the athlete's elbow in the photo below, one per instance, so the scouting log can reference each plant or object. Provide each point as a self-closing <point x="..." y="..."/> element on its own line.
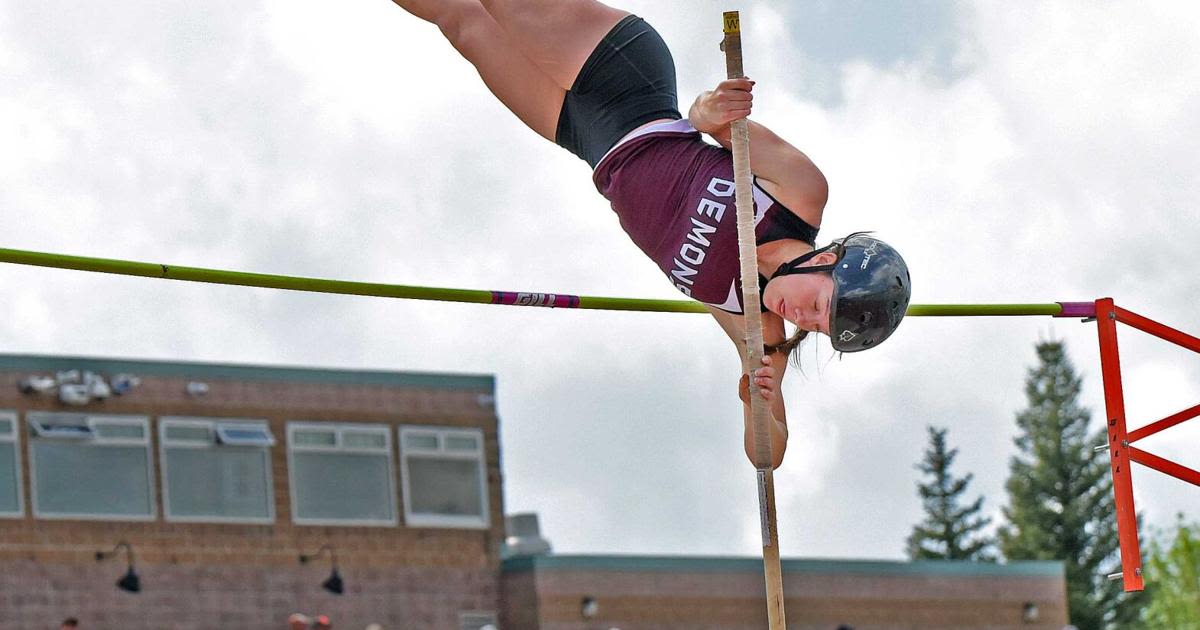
<point x="778" y="444"/>
<point x="820" y="190"/>
<point x="811" y="184"/>
<point x="777" y="451"/>
<point x="777" y="456"/>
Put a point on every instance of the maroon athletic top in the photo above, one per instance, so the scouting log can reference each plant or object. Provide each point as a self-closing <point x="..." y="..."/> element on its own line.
<point x="673" y="193"/>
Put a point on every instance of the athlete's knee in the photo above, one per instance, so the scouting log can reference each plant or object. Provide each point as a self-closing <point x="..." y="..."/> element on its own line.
<point x="508" y="12"/>
<point x="430" y="10"/>
<point x="493" y="6"/>
<point x="465" y="25"/>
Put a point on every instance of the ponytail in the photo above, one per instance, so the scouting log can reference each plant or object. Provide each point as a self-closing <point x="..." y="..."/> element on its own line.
<point x="788" y="346"/>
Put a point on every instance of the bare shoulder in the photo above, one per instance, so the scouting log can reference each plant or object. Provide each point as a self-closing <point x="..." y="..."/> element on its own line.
<point x="801" y="188"/>
<point x="789" y="175"/>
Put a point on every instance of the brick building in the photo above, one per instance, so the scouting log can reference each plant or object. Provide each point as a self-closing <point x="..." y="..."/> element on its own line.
<point x="219" y="477"/>
<point x="550" y="592"/>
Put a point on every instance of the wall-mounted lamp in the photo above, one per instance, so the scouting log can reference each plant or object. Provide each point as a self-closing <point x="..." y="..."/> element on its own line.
<point x="130" y="583"/>
<point x="1030" y="612"/>
<point x="333" y="583"/>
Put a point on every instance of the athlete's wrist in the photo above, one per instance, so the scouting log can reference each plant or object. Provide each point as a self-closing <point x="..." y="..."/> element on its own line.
<point x="700" y="115"/>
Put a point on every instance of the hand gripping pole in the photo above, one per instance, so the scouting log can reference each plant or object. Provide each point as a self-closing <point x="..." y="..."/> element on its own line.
<point x="759" y="410"/>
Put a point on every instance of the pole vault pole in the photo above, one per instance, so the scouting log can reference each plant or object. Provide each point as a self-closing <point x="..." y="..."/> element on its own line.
<point x="760" y="412"/>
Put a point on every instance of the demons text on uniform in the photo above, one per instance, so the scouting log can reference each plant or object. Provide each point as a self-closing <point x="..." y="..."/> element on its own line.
<point x="695" y="248"/>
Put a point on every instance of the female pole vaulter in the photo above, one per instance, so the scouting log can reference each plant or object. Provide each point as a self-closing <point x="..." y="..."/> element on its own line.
<point x="600" y="82"/>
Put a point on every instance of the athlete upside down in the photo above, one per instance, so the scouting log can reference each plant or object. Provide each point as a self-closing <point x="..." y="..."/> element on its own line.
<point x="600" y="82"/>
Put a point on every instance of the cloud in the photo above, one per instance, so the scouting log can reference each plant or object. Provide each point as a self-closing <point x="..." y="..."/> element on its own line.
<point x="1023" y="154"/>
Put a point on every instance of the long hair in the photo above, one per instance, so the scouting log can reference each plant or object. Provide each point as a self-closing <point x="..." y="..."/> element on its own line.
<point x="788" y="346"/>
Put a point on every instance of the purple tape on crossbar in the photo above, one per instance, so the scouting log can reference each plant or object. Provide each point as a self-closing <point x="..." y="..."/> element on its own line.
<point x="548" y="300"/>
<point x="1077" y="309"/>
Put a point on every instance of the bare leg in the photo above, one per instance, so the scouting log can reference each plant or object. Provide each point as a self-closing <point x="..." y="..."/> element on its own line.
<point x="522" y="86"/>
<point x="558" y="35"/>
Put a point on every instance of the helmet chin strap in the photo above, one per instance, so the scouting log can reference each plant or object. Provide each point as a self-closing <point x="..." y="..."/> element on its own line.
<point x="795" y="266"/>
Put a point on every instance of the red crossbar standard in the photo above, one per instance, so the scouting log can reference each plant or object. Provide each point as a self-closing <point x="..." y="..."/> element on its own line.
<point x="1120" y="438"/>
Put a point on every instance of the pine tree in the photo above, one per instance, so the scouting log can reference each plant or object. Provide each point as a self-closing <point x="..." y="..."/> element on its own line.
<point x="1173" y="580"/>
<point x="1061" y="503"/>
<point x="950" y="531"/>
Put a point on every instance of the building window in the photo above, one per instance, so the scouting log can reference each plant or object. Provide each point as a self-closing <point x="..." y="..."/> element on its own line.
<point x="216" y="470"/>
<point x="444" y="474"/>
<point x="341" y="474"/>
<point x="10" y="467"/>
<point x="477" y="621"/>
<point x="91" y="466"/>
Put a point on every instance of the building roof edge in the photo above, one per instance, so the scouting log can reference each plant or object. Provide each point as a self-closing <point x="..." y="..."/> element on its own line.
<point x="719" y="564"/>
<point x="205" y="370"/>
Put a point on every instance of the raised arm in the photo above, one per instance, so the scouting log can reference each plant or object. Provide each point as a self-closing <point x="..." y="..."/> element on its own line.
<point x="769" y="378"/>
<point x="783" y="170"/>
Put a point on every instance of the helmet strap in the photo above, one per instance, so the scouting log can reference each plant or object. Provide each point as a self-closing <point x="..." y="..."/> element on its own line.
<point x="796" y="265"/>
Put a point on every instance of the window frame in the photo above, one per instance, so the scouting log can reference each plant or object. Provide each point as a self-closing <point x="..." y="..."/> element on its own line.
<point x="479" y="454"/>
<point x="221" y="429"/>
<point x="15" y="440"/>
<point x="338" y="428"/>
<point x="211" y="424"/>
<point x="94" y="438"/>
<point x="42" y="430"/>
<point x="477" y="619"/>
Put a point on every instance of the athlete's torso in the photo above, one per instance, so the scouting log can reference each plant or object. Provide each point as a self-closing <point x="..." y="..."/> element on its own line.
<point x="674" y="196"/>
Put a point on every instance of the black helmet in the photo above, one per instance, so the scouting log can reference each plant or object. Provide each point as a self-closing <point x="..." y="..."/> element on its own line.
<point x="870" y="290"/>
<point x="870" y="293"/>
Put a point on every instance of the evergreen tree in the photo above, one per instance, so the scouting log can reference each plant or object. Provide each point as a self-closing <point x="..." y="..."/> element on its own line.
<point x="1173" y="581"/>
<point x="950" y="530"/>
<point x="1061" y="503"/>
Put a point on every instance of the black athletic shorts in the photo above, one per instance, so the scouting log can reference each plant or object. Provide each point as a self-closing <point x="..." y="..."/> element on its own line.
<point x="628" y="80"/>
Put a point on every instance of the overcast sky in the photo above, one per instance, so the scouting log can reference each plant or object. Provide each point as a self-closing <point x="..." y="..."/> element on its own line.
<point x="1028" y="152"/>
